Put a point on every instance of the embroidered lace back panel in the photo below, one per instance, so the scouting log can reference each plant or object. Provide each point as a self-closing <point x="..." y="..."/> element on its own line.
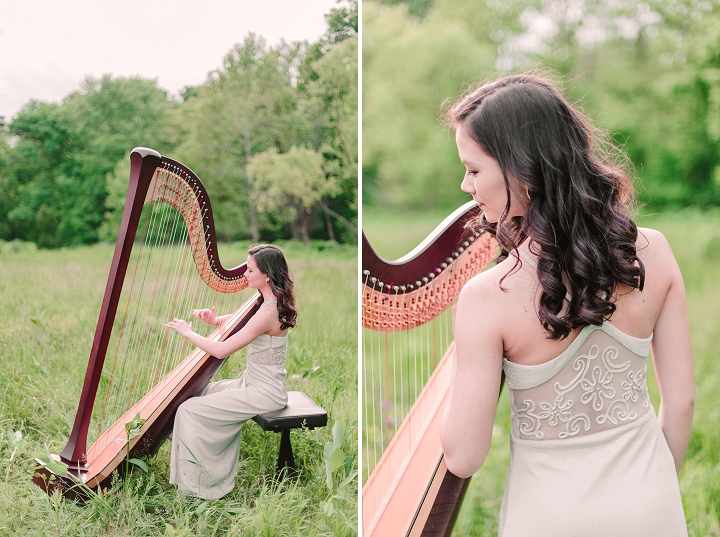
<point x="598" y="383"/>
<point x="268" y="350"/>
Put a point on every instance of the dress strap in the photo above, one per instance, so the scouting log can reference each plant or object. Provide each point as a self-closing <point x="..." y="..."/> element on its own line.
<point x="530" y="261"/>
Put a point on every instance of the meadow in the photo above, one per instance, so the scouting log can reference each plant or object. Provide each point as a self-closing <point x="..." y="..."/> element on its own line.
<point x="695" y="238"/>
<point x="49" y="302"/>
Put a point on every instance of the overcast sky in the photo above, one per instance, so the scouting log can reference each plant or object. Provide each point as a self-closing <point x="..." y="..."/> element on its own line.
<point x="47" y="47"/>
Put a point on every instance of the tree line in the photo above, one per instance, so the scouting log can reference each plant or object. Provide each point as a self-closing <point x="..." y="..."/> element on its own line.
<point x="646" y="71"/>
<point x="272" y="133"/>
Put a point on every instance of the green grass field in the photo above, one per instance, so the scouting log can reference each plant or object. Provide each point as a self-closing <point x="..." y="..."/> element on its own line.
<point x="695" y="239"/>
<point x="49" y="302"/>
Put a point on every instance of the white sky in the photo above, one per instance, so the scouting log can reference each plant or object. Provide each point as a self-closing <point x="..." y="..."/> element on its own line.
<point x="47" y="47"/>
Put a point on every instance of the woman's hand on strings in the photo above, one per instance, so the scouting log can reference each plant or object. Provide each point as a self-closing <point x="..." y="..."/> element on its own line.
<point x="181" y="327"/>
<point x="207" y="315"/>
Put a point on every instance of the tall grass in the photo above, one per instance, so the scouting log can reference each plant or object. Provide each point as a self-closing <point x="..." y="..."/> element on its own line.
<point x="49" y="302"/>
<point x="695" y="239"/>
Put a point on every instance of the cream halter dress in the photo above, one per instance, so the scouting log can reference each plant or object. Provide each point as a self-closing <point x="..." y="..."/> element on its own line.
<point x="207" y="430"/>
<point x="587" y="454"/>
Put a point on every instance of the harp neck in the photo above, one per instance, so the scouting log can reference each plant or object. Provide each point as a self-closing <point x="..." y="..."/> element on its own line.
<point x="408" y="292"/>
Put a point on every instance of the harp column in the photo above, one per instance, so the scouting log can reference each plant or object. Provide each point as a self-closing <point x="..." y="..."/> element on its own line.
<point x="143" y="162"/>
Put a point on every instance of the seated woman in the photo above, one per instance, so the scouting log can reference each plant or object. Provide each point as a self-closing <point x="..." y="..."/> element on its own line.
<point x="207" y="430"/>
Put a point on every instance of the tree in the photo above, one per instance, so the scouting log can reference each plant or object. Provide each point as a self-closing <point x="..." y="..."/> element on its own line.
<point x="291" y="184"/>
<point x="65" y="151"/>
<point x="330" y="100"/>
<point x="410" y="67"/>
<point x="242" y="109"/>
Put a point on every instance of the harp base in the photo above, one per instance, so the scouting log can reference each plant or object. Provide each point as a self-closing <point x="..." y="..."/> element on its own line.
<point x="71" y="486"/>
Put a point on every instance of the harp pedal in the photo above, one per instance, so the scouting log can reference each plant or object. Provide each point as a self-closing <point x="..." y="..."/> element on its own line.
<point x="300" y="412"/>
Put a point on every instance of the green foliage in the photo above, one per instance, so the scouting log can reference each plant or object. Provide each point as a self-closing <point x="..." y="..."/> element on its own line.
<point x="340" y="469"/>
<point x="342" y="22"/>
<point x="244" y="108"/>
<point x="62" y="184"/>
<point x="133" y="429"/>
<point x="291" y="184"/>
<point x="116" y="185"/>
<point x="648" y="72"/>
<point x="57" y="171"/>
<point x="410" y="155"/>
<point x="302" y="363"/>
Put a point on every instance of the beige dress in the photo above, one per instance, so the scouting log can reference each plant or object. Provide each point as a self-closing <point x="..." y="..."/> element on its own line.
<point x="588" y="457"/>
<point x="207" y="430"/>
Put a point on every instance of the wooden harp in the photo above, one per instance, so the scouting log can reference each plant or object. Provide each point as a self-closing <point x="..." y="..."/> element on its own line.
<point x="165" y="264"/>
<point x="407" y="349"/>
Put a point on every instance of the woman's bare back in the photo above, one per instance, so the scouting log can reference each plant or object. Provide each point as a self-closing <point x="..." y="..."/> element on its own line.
<point x="525" y="340"/>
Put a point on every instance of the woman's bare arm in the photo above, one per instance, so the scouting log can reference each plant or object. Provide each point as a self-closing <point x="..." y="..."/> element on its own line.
<point x="672" y="356"/>
<point x="467" y="427"/>
<point x="261" y="322"/>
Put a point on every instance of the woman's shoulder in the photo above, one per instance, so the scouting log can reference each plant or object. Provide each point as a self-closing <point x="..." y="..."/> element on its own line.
<point x="268" y="314"/>
<point x="496" y="287"/>
<point x="653" y="249"/>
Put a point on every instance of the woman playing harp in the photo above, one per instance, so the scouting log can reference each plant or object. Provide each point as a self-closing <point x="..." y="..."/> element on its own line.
<point x="570" y="315"/>
<point x="207" y="430"/>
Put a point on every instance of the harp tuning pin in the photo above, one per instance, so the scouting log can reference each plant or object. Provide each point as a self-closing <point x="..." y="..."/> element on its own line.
<point x="443" y="265"/>
<point x="425" y="280"/>
<point x="410" y="286"/>
<point x="455" y="254"/>
<point x="366" y="272"/>
<point x="466" y="244"/>
<point x="395" y="288"/>
<point x="460" y="250"/>
<point x="449" y="260"/>
<point x="403" y="288"/>
<point x="373" y="279"/>
<point x="431" y="275"/>
<point x="418" y="283"/>
<point x="381" y="284"/>
<point x="438" y="271"/>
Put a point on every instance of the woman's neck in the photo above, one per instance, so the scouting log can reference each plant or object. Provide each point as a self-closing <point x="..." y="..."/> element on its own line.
<point x="268" y="295"/>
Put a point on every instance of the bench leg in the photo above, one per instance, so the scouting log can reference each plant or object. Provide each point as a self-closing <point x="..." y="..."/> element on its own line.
<point x="286" y="460"/>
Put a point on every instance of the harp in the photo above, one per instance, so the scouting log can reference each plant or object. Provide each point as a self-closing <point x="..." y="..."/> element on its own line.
<point x="165" y="264"/>
<point x="407" y="350"/>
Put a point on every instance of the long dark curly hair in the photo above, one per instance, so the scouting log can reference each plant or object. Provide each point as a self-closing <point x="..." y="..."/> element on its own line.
<point x="271" y="262"/>
<point x="578" y="215"/>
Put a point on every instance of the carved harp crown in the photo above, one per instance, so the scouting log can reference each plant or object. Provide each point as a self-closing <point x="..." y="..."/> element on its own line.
<point x="409" y="491"/>
<point x="165" y="264"/>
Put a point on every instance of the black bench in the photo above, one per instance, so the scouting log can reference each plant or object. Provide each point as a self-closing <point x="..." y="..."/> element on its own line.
<point x="300" y="412"/>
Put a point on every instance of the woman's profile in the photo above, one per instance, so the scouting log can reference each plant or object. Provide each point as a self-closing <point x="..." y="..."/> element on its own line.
<point x="570" y="314"/>
<point x="207" y="429"/>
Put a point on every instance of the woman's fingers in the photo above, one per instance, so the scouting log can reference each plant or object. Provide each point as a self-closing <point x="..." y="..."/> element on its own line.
<point x="206" y="315"/>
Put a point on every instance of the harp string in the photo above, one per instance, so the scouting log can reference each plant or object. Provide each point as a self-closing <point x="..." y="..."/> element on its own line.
<point x="178" y="264"/>
<point x="131" y="338"/>
<point x="405" y="360"/>
<point x="182" y="284"/>
<point x="117" y="371"/>
<point x="163" y="283"/>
